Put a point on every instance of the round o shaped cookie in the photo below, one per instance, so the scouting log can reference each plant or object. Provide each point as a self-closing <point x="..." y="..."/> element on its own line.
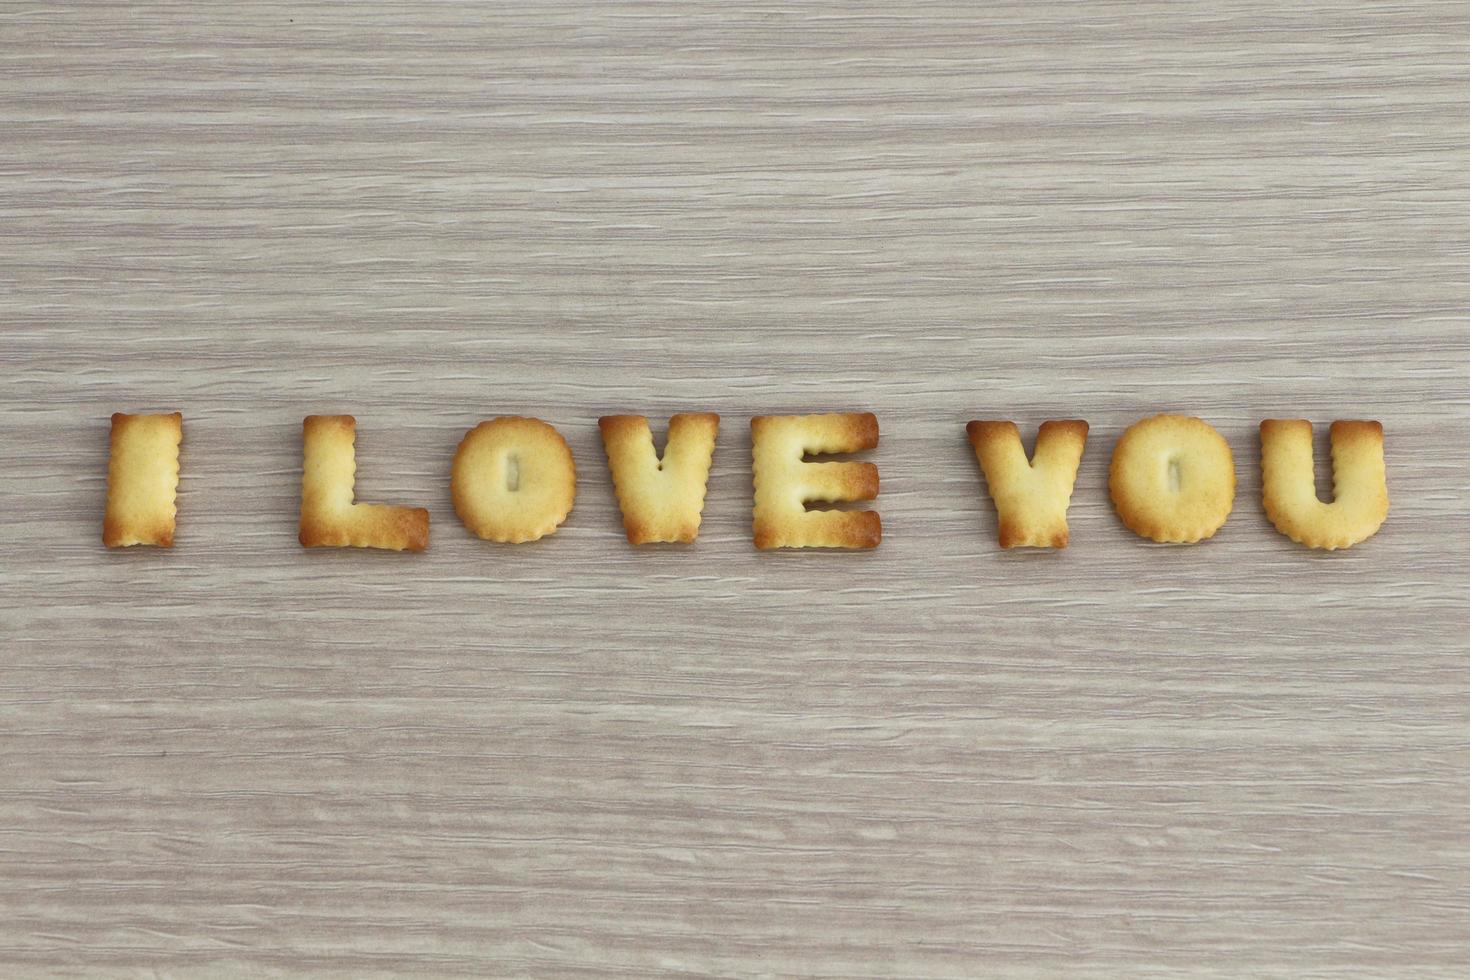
<point x="513" y="479"/>
<point x="1172" y="479"/>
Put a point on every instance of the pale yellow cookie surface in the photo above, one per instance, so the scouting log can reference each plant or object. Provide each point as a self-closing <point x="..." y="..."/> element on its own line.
<point x="329" y="517"/>
<point x="513" y="479"/>
<point x="784" y="483"/>
<point x="142" y="480"/>
<point x="1359" y="483"/>
<point x="1031" y="495"/>
<point x="661" y="499"/>
<point x="1172" y="479"/>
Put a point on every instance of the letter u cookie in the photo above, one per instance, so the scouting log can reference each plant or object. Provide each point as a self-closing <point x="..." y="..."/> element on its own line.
<point x="1359" y="483"/>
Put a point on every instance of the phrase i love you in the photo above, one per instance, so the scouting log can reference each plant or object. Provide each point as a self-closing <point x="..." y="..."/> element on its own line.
<point x="513" y="479"/>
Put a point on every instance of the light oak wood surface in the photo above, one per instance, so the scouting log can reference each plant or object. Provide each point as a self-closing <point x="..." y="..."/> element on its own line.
<point x="575" y="758"/>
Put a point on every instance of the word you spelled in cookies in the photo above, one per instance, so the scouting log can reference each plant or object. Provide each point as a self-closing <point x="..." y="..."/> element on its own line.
<point x="513" y="479"/>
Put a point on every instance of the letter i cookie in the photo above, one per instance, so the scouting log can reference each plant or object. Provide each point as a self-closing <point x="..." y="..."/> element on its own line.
<point x="142" y="480"/>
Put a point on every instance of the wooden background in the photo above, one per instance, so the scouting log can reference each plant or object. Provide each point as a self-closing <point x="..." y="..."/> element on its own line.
<point x="574" y="758"/>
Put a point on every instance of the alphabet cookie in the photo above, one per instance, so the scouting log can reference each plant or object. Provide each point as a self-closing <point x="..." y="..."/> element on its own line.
<point x="329" y="517"/>
<point x="784" y="483"/>
<point x="1172" y="479"/>
<point x="142" y="480"/>
<point x="1359" y="483"/>
<point x="513" y="479"/>
<point x="1031" y="496"/>
<point x="661" y="499"/>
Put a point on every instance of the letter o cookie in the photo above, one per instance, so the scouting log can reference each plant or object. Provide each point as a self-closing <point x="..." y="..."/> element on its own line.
<point x="513" y="479"/>
<point x="1359" y="483"/>
<point x="1172" y="479"/>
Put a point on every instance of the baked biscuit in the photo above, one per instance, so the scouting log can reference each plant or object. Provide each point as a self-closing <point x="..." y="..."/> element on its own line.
<point x="1359" y="483"/>
<point x="513" y="479"/>
<point x="1031" y="496"/>
<point x="661" y="499"/>
<point x="784" y="483"/>
<point x="142" y="480"/>
<point x="329" y="518"/>
<point x="1172" y="478"/>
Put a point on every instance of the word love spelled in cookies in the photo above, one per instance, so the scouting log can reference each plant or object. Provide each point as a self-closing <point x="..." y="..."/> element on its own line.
<point x="513" y="479"/>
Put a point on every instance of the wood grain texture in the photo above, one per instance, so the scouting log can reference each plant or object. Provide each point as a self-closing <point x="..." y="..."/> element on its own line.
<point x="574" y="758"/>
